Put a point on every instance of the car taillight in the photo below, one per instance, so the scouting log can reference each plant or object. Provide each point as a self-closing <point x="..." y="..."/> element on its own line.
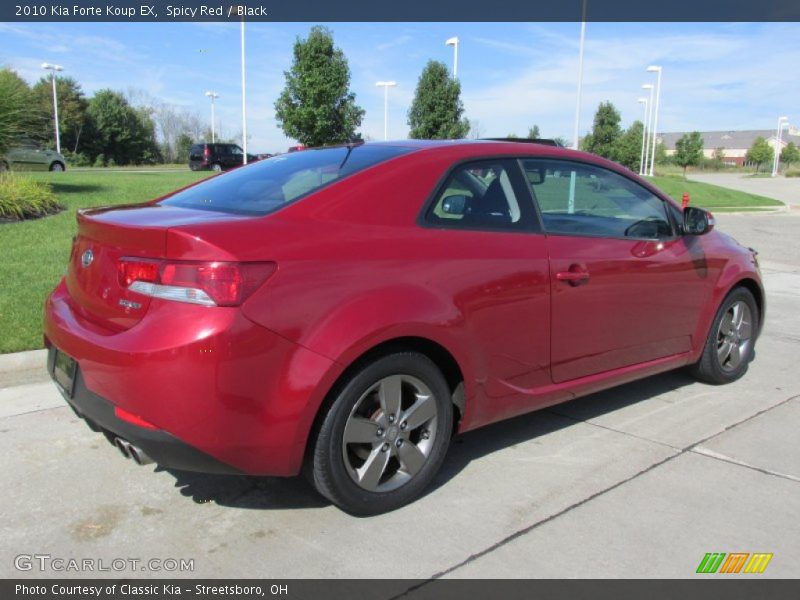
<point x="206" y="152"/>
<point x="206" y="283"/>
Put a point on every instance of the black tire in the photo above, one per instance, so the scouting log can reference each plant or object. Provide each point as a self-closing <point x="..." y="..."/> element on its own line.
<point x="332" y="462"/>
<point x="57" y="166"/>
<point x="715" y="366"/>
<point x="216" y="167"/>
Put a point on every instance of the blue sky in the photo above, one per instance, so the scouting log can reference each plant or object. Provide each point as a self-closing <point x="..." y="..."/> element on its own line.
<point x="716" y="76"/>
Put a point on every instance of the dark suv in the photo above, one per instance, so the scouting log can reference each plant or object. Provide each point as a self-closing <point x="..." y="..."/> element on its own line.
<point x="217" y="157"/>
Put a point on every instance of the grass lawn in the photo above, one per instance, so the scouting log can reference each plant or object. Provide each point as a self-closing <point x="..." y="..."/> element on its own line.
<point x="35" y="252"/>
<point x="712" y="197"/>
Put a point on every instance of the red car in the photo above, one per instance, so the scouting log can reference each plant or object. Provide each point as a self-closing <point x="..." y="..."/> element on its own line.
<point x="347" y="309"/>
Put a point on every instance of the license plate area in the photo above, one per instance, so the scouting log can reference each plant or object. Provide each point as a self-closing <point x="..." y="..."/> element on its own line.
<point x="64" y="370"/>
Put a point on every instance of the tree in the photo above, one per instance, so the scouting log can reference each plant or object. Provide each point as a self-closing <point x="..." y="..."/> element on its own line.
<point x="629" y="146"/>
<point x="718" y="157"/>
<point x="436" y="112"/>
<point x="760" y="152"/>
<point x="562" y="141"/>
<point x="18" y="119"/>
<point x="790" y="154"/>
<point x="661" y="154"/>
<point x="512" y="136"/>
<point x="317" y="107"/>
<point x="72" y="105"/>
<point x="689" y="150"/>
<point x="120" y="132"/>
<point x="606" y="132"/>
<point x="533" y="133"/>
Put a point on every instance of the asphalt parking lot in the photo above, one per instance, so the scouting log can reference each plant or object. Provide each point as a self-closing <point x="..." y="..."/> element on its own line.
<point x="639" y="481"/>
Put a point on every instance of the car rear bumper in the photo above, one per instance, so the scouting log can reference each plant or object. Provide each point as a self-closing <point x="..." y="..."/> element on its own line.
<point x="165" y="449"/>
<point x="207" y="378"/>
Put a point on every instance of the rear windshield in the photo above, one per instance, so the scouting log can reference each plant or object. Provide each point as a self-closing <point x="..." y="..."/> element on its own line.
<point x="267" y="185"/>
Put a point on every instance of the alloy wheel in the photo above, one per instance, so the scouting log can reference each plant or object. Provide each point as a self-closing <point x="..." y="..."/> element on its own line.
<point x="734" y="335"/>
<point x="390" y="433"/>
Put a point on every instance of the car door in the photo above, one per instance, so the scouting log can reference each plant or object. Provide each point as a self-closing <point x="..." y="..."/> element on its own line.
<point x="483" y="230"/>
<point x="625" y="287"/>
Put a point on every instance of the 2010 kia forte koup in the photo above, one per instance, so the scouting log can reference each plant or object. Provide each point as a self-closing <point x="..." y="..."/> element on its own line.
<point x="342" y="311"/>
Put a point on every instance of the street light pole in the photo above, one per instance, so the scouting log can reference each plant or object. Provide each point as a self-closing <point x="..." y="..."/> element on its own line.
<point x="648" y="127"/>
<point x="213" y="96"/>
<point x="580" y="80"/>
<point x="655" y="69"/>
<point x="53" y="69"/>
<point x="453" y="41"/>
<point x="244" y="102"/>
<point x="644" y="133"/>
<point x="776" y="156"/>
<point x="386" y="85"/>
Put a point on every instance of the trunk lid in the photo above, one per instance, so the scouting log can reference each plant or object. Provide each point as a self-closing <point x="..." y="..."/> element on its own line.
<point x="107" y="235"/>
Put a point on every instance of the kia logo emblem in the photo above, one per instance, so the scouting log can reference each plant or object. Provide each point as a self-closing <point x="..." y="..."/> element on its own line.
<point x="87" y="258"/>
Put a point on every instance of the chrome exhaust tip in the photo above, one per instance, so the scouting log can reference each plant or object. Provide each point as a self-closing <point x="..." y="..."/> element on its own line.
<point x="128" y="450"/>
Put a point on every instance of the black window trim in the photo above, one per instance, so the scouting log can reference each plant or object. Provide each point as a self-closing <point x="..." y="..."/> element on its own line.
<point x="676" y="230"/>
<point x="531" y="220"/>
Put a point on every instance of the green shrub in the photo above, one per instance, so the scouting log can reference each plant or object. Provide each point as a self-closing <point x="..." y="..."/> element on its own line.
<point x="100" y="161"/>
<point x="77" y="159"/>
<point x="792" y="173"/>
<point x="23" y="198"/>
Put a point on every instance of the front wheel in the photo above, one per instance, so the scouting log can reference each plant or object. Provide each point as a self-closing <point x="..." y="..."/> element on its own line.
<point x="57" y="166"/>
<point x="216" y="167"/>
<point x="385" y="436"/>
<point x="731" y="341"/>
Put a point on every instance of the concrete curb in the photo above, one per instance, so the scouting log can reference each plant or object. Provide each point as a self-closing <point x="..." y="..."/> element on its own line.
<point x="22" y="361"/>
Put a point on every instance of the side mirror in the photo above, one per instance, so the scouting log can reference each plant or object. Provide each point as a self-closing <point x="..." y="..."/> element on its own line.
<point x="454" y="205"/>
<point x="697" y="221"/>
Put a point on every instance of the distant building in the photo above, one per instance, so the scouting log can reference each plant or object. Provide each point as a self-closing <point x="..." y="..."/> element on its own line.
<point x="734" y="143"/>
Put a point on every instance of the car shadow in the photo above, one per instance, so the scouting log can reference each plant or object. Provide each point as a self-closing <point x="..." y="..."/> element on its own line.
<point x="277" y="493"/>
<point x="74" y="188"/>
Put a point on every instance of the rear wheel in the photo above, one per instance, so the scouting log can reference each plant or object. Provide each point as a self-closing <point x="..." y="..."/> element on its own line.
<point x="731" y="340"/>
<point x="385" y="435"/>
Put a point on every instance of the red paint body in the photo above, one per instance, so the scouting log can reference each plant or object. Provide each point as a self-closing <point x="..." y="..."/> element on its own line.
<point x="355" y="269"/>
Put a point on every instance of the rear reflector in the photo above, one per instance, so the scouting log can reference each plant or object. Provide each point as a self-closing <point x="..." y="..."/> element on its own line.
<point x="205" y="283"/>
<point x="133" y="419"/>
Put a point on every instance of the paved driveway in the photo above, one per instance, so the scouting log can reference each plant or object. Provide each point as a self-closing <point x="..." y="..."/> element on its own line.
<point x="639" y="481"/>
<point x="786" y="189"/>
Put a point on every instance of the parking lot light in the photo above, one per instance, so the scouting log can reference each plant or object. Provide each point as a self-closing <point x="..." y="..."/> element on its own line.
<point x="53" y="69"/>
<point x="386" y="85"/>
<point x="213" y="96"/>
<point x="453" y="41"/>
<point x="776" y="159"/>
<point x="647" y="127"/>
<point x="644" y="133"/>
<point x="655" y="69"/>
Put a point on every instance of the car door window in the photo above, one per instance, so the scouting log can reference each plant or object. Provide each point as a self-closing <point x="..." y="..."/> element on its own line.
<point x="481" y="195"/>
<point x="580" y="199"/>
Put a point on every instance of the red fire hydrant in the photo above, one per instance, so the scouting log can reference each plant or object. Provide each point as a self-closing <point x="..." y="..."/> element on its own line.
<point x="685" y="200"/>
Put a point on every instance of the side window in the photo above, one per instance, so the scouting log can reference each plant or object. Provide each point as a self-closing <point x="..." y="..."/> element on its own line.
<point x="581" y="199"/>
<point x="481" y="195"/>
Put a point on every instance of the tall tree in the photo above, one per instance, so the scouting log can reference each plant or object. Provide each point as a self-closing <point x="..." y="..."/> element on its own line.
<point x="689" y="150"/>
<point x="606" y="132"/>
<point x="18" y="118"/>
<point x="120" y="132"/>
<point x="629" y="146"/>
<point x="790" y="154"/>
<point x="760" y="152"/>
<point x="437" y="111"/>
<point x="317" y="107"/>
<point x="533" y="133"/>
<point x="72" y="105"/>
